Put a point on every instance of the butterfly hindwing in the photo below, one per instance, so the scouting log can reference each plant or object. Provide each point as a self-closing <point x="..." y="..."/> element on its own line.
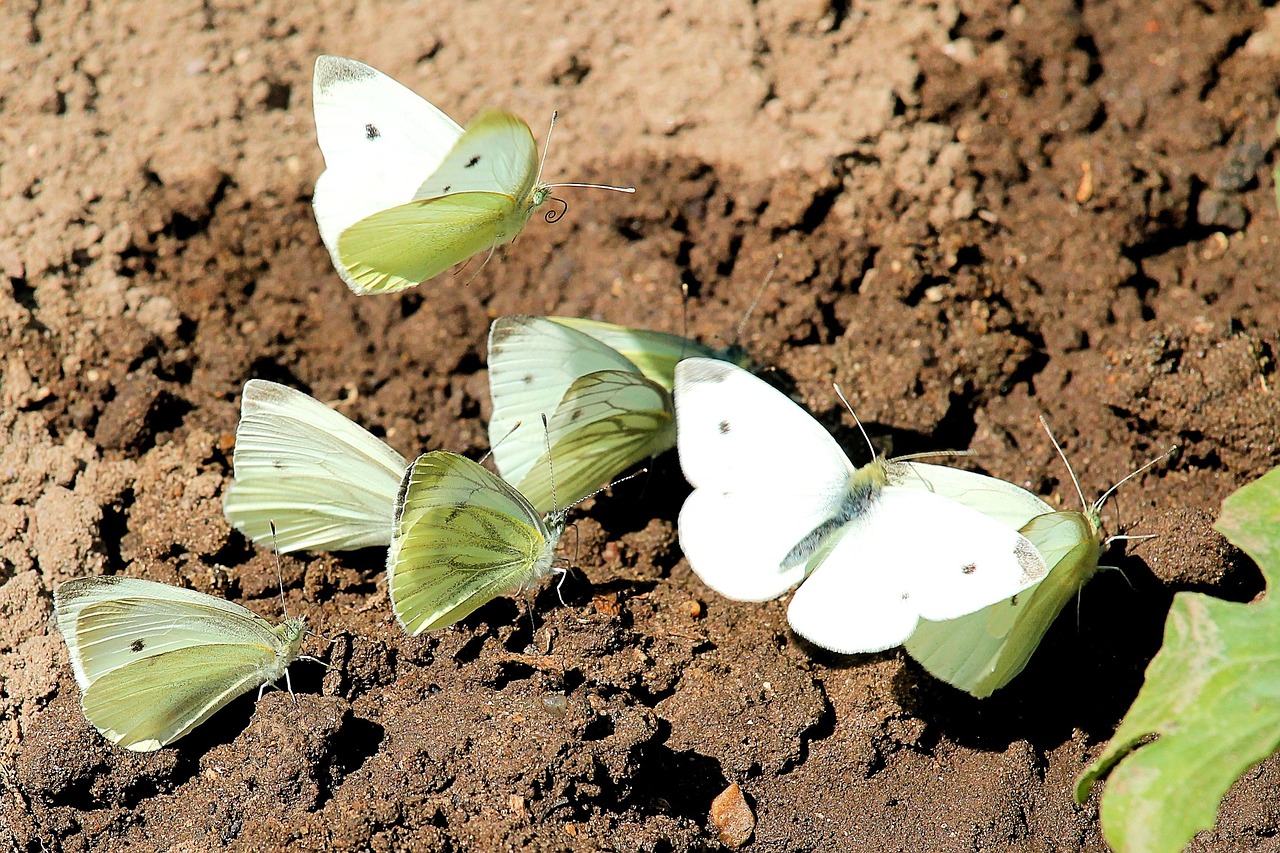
<point x="607" y="422"/>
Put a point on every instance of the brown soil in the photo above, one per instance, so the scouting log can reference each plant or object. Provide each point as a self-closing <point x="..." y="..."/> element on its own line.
<point x="988" y="211"/>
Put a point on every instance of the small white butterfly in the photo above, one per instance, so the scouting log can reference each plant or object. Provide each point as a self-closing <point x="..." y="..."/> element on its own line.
<point x="154" y="661"/>
<point x="983" y="651"/>
<point x="776" y="500"/>
<point x="407" y="193"/>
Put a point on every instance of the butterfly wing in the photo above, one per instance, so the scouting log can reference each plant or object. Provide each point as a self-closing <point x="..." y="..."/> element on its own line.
<point x="157" y="700"/>
<point x="327" y="483"/>
<point x="496" y="154"/>
<point x="154" y="661"/>
<point x="463" y="537"/>
<point x="405" y="245"/>
<point x="532" y="363"/>
<point x="654" y="353"/>
<point x="983" y="651"/>
<point x="380" y="141"/>
<point x="913" y="555"/>
<point x="1006" y="503"/>
<point x="608" y="421"/>
<point x="766" y="476"/>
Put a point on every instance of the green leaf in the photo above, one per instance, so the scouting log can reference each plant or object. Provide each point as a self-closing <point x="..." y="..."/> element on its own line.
<point x="1212" y="694"/>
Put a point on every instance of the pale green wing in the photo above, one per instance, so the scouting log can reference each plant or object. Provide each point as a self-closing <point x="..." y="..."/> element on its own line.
<point x="496" y="154"/>
<point x="327" y="483"/>
<point x="159" y="699"/>
<point x="111" y="621"/>
<point x="405" y="245"/>
<point x="463" y="537"/>
<point x="1006" y="503"/>
<point x="532" y="363"/>
<point x="654" y="353"/>
<point x="982" y="652"/>
<point x="607" y="422"/>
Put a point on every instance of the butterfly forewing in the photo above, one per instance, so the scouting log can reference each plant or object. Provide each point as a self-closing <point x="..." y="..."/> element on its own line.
<point x="496" y="154"/>
<point x="326" y="483"/>
<point x="463" y="537"/>
<point x="655" y="354"/>
<point x="379" y="139"/>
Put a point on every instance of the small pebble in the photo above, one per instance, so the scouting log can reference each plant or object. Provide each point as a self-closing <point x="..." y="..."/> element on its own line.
<point x="694" y="608"/>
<point x="732" y="817"/>
<point x="555" y="704"/>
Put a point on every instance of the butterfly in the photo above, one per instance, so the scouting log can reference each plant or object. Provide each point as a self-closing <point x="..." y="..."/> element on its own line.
<point x="463" y="536"/>
<point x="983" y="651"/>
<point x="407" y="193"/>
<point x="154" y="661"/>
<point x="606" y="392"/>
<point x="326" y="483"/>
<point x="776" y="502"/>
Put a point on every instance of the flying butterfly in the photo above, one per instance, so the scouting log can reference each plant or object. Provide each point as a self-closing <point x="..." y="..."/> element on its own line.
<point x="406" y="192"/>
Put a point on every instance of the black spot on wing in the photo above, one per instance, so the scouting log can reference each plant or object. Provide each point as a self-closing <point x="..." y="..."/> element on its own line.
<point x="473" y="161"/>
<point x="447" y="187"/>
<point x="371" y="131"/>
<point x="969" y="568"/>
<point x="137" y="646"/>
<point x="724" y="427"/>
<point x="527" y="379"/>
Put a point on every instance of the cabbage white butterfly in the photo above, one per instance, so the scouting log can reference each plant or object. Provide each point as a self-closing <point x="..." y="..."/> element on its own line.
<point x="983" y="651"/>
<point x="407" y="193"/>
<point x="463" y="536"/>
<point x="605" y="389"/>
<point x="776" y="500"/>
<point x="326" y="483"/>
<point x="154" y="661"/>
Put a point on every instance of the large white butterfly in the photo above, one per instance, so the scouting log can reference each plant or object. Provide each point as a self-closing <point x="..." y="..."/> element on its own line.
<point x="606" y="392"/>
<point x="407" y="193"/>
<point x="154" y="661"/>
<point x="776" y="500"/>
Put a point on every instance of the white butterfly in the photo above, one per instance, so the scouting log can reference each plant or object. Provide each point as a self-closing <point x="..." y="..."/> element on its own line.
<point x="154" y="661"/>
<point x="776" y="500"/>
<point x="407" y="193"/>
<point x="327" y="483"/>
<point x="983" y="651"/>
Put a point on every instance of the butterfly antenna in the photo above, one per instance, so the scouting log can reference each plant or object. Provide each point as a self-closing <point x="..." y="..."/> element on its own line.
<point x="865" y="437"/>
<point x="684" y="314"/>
<point x="496" y="444"/>
<point x="543" y="162"/>
<point x="605" y="488"/>
<point x="546" y="147"/>
<point x="551" y="469"/>
<point x="742" y="324"/>
<point x="1084" y="503"/>
<point x="279" y="574"/>
<point x="1109" y="492"/>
